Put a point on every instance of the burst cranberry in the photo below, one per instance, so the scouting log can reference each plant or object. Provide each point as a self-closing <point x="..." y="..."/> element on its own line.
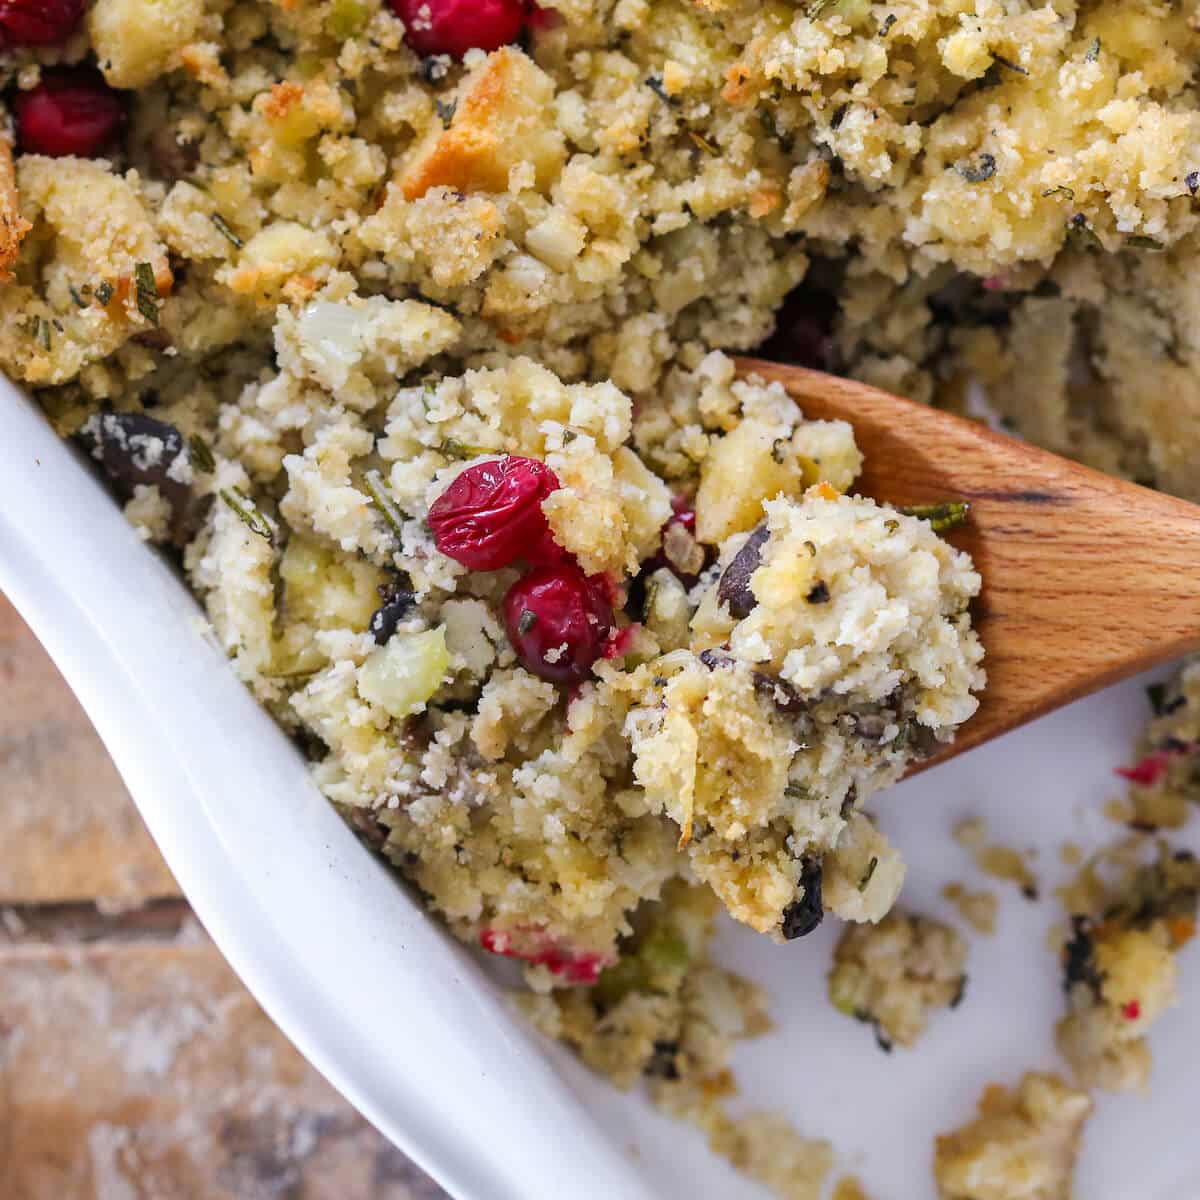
<point x="69" y="112"/>
<point x="38" y="22"/>
<point x="536" y="947"/>
<point x="491" y="514"/>
<point x="558" y="621"/>
<point x="455" y="26"/>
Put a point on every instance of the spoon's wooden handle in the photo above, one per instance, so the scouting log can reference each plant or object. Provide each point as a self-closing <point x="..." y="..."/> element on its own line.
<point x="1087" y="579"/>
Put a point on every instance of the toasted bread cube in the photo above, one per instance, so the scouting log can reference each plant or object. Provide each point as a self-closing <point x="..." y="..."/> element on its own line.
<point x="503" y="116"/>
<point x="136" y="41"/>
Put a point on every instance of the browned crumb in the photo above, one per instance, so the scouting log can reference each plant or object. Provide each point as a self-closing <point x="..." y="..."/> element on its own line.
<point x="978" y="909"/>
<point x="1024" y="1142"/>
<point x="1070" y="854"/>
<point x="13" y="226"/>
<point x="1000" y="862"/>
<point x="849" y="1188"/>
<point x="1120" y="811"/>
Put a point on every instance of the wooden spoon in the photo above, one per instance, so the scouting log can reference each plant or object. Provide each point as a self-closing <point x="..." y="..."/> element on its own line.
<point x="1086" y="578"/>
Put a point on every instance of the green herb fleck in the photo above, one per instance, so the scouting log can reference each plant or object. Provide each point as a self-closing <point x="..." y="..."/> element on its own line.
<point x="703" y="143"/>
<point x="1093" y="51"/>
<point x="446" y="111"/>
<point x="346" y="18"/>
<point x="949" y="514"/>
<point x="147" y="291"/>
<point x="247" y="513"/>
<point x="77" y="296"/>
<point x="886" y="27"/>
<point x="39" y="330"/>
<point x="1009" y="66"/>
<point x="526" y="621"/>
<point x="385" y="502"/>
<point x="226" y="232"/>
<point x="655" y="84"/>
<point x="796" y="791"/>
<point x="453" y="448"/>
<point x="1081" y="232"/>
<point x="1192" y="181"/>
<point x="973" y="173"/>
<point x="868" y="873"/>
<point x="817" y="8"/>
<point x="1060" y="190"/>
<point x="1139" y="241"/>
<point x="1156" y="693"/>
<point x="201" y="454"/>
<point x="104" y="293"/>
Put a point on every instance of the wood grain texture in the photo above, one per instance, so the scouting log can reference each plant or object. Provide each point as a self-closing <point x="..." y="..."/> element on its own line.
<point x="1086" y="578"/>
<point x="68" y="830"/>
<point x="146" y="1072"/>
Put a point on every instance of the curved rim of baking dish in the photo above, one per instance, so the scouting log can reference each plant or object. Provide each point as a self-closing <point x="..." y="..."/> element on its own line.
<point x="378" y="997"/>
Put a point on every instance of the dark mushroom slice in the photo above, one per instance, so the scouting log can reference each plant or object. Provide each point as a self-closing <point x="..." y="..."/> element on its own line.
<point x="734" y="588"/>
<point x="135" y="450"/>
<point x="398" y="601"/>
<point x="804" y="914"/>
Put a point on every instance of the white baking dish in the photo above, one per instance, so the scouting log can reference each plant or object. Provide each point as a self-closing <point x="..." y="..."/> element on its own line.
<point x="417" y="1036"/>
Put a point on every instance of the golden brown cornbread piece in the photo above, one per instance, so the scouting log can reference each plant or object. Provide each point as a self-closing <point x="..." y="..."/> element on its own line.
<point x="501" y="118"/>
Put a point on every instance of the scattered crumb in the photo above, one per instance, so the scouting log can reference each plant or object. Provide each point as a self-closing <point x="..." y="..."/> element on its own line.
<point x="849" y="1188"/>
<point x="1000" y="862"/>
<point x="1022" y="1145"/>
<point x="1119" y="967"/>
<point x="893" y="975"/>
<point x="1120" y="811"/>
<point x="978" y="909"/>
<point x="1070" y="854"/>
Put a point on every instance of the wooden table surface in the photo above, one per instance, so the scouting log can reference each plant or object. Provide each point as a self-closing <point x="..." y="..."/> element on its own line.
<point x="133" y="1065"/>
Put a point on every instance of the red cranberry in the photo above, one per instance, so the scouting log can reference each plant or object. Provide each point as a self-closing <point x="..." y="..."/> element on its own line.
<point x="491" y="514"/>
<point x="69" y="112"/>
<point x="536" y="947"/>
<point x="558" y="622"/>
<point x="38" y="22"/>
<point x="455" y="26"/>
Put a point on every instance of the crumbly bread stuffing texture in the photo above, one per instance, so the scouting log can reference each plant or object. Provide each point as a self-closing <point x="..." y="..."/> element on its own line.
<point x="1130" y="917"/>
<point x="336" y="275"/>
<point x="1022" y="1145"/>
<point x="895" y="974"/>
<point x="666" y="1014"/>
<point x="1164" y="774"/>
<point x="734" y="751"/>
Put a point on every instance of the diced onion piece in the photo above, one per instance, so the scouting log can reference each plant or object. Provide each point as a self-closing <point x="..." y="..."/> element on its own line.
<point x="402" y="675"/>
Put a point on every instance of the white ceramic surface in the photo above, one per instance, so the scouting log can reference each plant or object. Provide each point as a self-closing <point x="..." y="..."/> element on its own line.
<point x="418" y="1037"/>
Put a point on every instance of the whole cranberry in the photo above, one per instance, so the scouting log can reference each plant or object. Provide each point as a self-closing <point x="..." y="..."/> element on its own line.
<point x="455" y="26"/>
<point x="70" y="112"/>
<point x="491" y="514"/>
<point x="558" y="621"/>
<point x="38" y="22"/>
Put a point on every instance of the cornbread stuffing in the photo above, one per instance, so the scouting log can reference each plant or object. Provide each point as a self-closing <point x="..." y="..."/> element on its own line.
<point x="893" y="974"/>
<point x="402" y="327"/>
<point x="1119" y="969"/>
<point x="1022" y="1145"/>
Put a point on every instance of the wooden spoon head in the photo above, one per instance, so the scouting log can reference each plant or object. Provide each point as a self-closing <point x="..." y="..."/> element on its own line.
<point x="1086" y="579"/>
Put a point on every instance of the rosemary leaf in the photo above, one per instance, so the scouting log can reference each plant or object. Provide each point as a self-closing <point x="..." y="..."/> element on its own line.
<point x="246" y="512"/>
<point x="384" y="501"/>
<point x="949" y="514"/>
<point x="201" y="454"/>
<point x="223" y="228"/>
<point x="147" y="291"/>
